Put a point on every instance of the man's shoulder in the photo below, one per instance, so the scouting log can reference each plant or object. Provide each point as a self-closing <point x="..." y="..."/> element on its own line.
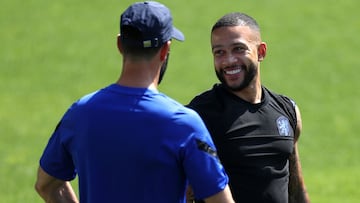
<point x="286" y="103"/>
<point x="289" y="102"/>
<point x="208" y="97"/>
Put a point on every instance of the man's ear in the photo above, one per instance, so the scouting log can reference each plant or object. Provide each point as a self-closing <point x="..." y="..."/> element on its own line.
<point x="119" y="43"/>
<point x="262" y="51"/>
<point x="165" y="49"/>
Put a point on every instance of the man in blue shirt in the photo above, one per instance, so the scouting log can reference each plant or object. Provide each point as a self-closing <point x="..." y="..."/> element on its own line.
<point x="128" y="142"/>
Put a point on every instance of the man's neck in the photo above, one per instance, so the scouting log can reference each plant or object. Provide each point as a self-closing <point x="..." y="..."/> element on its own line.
<point x="251" y="94"/>
<point x="140" y="75"/>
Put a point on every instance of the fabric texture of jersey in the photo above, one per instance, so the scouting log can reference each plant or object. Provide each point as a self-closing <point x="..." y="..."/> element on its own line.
<point x="254" y="141"/>
<point x="133" y="145"/>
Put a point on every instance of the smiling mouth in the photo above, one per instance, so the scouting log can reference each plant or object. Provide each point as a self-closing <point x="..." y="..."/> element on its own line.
<point x="233" y="70"/>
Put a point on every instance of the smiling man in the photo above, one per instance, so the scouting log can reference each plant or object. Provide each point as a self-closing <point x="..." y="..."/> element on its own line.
<point x="254" y="129"/>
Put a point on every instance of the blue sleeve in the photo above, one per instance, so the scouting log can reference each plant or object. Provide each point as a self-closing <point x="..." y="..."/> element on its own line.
<point x="56" y="159"/>
<point x="205" y="173"/>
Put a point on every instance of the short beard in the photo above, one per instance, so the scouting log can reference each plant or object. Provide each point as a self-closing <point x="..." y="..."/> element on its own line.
<point x="249" y="74"/>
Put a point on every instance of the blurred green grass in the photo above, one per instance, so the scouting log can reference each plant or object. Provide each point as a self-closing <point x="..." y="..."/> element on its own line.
<point x="53" y="52"/>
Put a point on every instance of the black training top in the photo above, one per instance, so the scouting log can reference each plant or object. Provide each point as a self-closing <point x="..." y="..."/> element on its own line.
<point x="254" y="141"/>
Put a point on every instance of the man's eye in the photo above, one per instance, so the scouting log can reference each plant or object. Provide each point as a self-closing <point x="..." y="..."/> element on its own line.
<point x="218" y="52"/>
<point x="240" y="49"/>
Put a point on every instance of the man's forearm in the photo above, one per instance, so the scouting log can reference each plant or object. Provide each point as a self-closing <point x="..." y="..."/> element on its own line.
<point x="297" y="189"/>
<point x="53" y="190"/>
<point x="62" y="194"/>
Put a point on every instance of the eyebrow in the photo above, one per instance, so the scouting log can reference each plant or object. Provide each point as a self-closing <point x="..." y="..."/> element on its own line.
<point x="216" y="46"/>
<point x="233" y="44"/>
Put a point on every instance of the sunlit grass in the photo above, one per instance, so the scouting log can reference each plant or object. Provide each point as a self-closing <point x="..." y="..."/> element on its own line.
<point x="52" y="53"/>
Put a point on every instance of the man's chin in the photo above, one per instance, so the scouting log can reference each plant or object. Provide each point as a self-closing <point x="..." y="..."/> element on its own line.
<point x="234" y="87"/>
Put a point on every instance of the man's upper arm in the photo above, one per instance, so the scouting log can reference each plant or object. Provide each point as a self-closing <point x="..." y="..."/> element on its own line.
<point x="299" y="123"/>
<point x="45" y="182"/>
<point x="223" y="196"/>
<point x="54" y="190"/>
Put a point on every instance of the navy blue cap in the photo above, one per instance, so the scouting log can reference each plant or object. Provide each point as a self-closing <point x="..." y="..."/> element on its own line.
<point x="153" y="20"/>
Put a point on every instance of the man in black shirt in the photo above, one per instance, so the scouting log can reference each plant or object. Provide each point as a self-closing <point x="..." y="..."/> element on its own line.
<point x="254" y="129"/>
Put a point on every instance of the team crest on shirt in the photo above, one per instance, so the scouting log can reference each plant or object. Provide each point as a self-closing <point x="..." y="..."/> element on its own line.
<point x="283" y="126"/>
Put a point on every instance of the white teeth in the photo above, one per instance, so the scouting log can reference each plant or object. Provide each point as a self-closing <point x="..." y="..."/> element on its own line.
<point x="231" y="72"/>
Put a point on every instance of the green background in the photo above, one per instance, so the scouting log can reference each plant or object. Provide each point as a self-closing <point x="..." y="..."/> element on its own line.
<point x="53" y="52"/>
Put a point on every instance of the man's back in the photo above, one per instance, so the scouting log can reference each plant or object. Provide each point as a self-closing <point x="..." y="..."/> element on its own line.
<point x="141" y="137"/>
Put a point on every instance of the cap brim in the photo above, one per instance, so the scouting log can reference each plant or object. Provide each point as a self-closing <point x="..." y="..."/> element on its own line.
<point x="177" y="34"/>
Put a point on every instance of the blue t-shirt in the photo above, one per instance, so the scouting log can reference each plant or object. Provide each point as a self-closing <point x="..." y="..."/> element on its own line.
<point x="133" y="145"/>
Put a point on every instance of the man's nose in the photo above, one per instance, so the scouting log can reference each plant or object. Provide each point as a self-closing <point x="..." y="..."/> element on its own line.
<point x="230" y="60"/>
